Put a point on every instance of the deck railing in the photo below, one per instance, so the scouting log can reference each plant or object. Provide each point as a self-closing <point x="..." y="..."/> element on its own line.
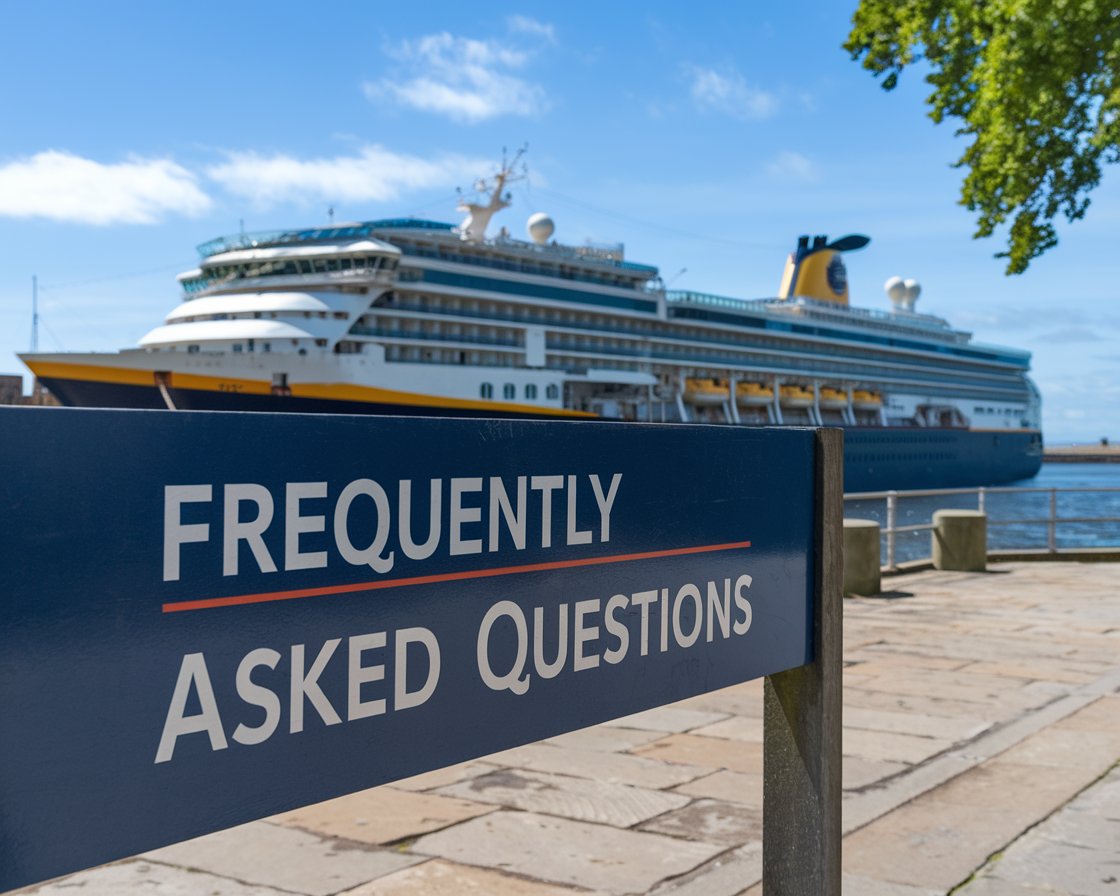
<point x="978" y="498"/>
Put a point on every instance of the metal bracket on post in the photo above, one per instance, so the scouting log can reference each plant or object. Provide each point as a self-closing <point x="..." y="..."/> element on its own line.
<point x="801" y="826"/>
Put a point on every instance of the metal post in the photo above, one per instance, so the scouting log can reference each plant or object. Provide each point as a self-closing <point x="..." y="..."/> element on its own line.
<point x="981" y="494"/>
<point x="1052" y="533"/>
<point x="801" y="830"/>
<point x="892" y="512"/>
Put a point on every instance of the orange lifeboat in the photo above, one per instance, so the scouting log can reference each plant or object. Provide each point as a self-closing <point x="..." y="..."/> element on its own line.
<point x="705" y="391"/>
<point x="796" y="397"/>
<point x="832" y="399"/>
<point x="866" y="400"/>
<point x="751" y="394"/>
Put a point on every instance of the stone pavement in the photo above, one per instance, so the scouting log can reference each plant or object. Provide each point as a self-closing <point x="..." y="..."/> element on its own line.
<point x="981" y="740"/>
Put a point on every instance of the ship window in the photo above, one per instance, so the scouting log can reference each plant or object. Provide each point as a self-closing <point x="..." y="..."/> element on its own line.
<point x="552" y="391"/>
<point x="237" y="346"/>
<point x="531" y="390"/>
<point x="509" y="390"/>
<point x="486" y="391"/>
<point x="192" y="349"/>
<point x="266" y="346"/>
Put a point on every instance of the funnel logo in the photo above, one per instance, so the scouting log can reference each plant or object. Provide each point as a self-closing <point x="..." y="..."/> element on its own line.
<point x="837" y="275"/>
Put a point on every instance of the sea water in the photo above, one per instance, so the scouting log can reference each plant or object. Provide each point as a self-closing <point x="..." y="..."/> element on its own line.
<point x="1008" y="513"/>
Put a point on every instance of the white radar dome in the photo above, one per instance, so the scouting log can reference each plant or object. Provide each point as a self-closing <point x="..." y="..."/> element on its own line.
<point x="895" y="289"/>
<point x="913" y="290"/>
<point x="540" y="227"/>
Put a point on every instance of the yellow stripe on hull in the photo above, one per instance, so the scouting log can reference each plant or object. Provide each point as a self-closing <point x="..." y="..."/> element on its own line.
<point x="328" y="391"/>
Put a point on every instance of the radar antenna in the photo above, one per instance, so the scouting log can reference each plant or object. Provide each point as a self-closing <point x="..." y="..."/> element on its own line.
<point x="478" y="217"/>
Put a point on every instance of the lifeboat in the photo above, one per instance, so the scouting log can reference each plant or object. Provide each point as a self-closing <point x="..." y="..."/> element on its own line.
<point x="700" y="391"/>
<point x="751" y="394"/>
<point x="796" y="397"/>
<point x="866" y="400"/>
<point x="833" y="399"/>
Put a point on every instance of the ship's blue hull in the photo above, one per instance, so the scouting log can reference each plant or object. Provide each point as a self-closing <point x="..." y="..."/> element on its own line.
<point x="916" y="458"/>
<point x="875" y="459"/>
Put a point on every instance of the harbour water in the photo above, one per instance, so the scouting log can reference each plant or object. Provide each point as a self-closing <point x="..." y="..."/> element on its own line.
<point x="1090" y="502"/>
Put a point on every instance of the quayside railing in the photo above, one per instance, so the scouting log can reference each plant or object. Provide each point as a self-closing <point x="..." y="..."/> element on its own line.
<point x="980" y="499"/>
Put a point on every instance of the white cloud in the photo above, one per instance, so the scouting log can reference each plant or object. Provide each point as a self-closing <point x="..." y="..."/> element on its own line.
<point x="374" y="174"/>
<point x="64" y="187"/>
<point x="729" y="93"/>
<point x="526" y="25"/>
<point x="467" y="80"/>
<point x="791" y="165"/>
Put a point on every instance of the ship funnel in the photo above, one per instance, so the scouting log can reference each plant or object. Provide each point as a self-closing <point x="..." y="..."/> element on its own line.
<point x="816" y="271"/>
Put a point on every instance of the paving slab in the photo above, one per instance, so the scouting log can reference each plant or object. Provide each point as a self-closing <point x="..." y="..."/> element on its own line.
<point x="439" y="878"/>
<point x="282" y="857"/>
<point x="1002" y="782"/>
<point x="596" y="857"/>
<point x="928" y="704"/>
<point x="737" y="787"/>
<point x="148" y="879"/>
<point x="1074" y="851"/>
<point x="711" y="821"/>
<point x="382" y="815"/>
<point x="857" y="885"/>
<point x="931" y="844"/>
<point x="443" y="776"/>
<point x="890" y="746"/>
<point x="994" y="886"/>
<point x="619" y="768"/>
<point x="725" y="875"/>
<point x="915" y="723"/>
<point x="709" y="752"/>
<point x="1058" y="747"/>
<point x="734" y="728"/>
<point x="606" y="739"/>
<point x="577" y="798"/>
<point x="740" y="699"/>
<point x="1038" y="671"/>
<point x="668" y="718"/>
<point x="859" y="773"/>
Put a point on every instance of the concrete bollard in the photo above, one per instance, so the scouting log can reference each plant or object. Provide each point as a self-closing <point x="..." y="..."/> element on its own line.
<point x="960" y="540"/>
<point x="861" y="557"/>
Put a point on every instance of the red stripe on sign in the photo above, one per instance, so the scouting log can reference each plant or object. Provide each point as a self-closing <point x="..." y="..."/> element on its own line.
<point x="265" y="597"/>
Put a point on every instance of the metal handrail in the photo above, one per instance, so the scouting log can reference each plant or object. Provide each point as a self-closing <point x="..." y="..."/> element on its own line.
<point x="1051" y="521"/>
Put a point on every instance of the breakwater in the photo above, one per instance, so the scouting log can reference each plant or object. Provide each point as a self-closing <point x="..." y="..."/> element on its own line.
<point x="1082" y="454"/>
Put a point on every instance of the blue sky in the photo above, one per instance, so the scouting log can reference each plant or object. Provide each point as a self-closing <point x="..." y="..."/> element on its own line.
<point x="705" y="137"/>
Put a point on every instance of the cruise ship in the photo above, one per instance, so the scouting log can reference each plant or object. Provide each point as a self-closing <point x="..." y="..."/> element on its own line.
<point x="411" y="316"/>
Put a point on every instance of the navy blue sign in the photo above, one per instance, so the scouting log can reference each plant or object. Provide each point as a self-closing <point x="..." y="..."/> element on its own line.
<point x="208" y="618"/>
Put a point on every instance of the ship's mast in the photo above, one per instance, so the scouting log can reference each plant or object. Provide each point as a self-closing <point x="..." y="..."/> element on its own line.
<point x="478" y="217"/>
<point x="34" y="313"/>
